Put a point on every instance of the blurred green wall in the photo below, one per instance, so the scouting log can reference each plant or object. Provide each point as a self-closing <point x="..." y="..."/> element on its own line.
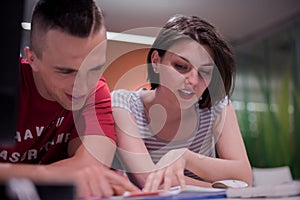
<point x="267" y="98"/>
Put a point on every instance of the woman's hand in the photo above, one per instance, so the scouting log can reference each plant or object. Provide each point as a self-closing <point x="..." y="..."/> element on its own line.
<point x="169" y="171"/>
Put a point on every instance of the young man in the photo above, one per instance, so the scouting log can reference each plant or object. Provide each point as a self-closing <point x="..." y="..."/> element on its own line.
<point x="65" y="127"/>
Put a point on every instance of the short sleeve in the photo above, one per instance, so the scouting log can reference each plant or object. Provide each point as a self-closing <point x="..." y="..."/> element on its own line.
<point x="121" y="99"/>
<point x="217" y="109"/>
<point x="96" y="117"/>
<point x="219" y="117"/>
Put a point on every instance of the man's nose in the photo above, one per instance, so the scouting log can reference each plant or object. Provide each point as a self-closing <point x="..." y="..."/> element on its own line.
<point x="80" y="86"/>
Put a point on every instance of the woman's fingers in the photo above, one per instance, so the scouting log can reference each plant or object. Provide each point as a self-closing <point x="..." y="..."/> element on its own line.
<point x="149" y="182"/>
<point x="175" y="174"/>
<point x="157" y="180"/>
<point x="168" y="178"/>
<point x="180" y="177"/>
<point x="165" y="178"/>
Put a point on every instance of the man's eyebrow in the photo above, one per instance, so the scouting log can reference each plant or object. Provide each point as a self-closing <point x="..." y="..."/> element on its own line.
<point x="65" y="68"/>
<point x="98" y="67"/>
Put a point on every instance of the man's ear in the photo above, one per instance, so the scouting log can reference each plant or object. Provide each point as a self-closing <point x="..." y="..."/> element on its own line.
<point x="32" y="59"/>
<point x="155" y="59"/>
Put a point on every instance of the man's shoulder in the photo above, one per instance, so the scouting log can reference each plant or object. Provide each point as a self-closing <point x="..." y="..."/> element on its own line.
<point x="23" y="61"/>
<point x="24" y="66"/>
<point x="102" y="87"/>
<point x="102" y="80"/>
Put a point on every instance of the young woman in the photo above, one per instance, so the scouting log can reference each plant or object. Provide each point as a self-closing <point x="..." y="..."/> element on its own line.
<point x="184" y="130"/>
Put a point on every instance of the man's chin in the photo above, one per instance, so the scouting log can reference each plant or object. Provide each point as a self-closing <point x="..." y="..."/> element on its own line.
<point x="73" y="107"/>
<point x="76" y="107"/>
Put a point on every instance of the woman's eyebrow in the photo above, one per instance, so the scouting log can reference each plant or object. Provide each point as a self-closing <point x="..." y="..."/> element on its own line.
<point x="202" y="65"/>
<point x="208" y="64"/>
<point x="185" y="59"/>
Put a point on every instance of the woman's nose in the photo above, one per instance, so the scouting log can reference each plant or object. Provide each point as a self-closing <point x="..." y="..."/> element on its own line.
<point x="192" y="77"/>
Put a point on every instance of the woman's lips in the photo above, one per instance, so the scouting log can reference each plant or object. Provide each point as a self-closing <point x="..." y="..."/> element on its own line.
<point x="186" y="94"/>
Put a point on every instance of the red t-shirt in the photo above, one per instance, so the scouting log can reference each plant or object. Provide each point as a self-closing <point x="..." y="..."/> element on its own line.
<point x="45" y="128"/>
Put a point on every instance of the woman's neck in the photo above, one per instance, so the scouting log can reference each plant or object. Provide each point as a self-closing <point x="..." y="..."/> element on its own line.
<point x="165" y="117"/>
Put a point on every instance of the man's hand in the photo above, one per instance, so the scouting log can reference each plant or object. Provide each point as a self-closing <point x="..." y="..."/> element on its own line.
<point x="99" y="181"/>
<point x="89" y="169"/>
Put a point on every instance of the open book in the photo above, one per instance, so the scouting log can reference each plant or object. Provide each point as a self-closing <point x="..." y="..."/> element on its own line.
<point x="287" y="189"/>
<point x="189" y="193"/>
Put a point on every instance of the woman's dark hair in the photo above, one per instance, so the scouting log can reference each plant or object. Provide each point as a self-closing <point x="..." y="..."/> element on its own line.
<point x="182" y="28"/>
<point x="76" y="17"/>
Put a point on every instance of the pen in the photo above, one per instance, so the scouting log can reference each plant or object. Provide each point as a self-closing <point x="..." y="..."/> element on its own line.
<point x="140" y="193"/>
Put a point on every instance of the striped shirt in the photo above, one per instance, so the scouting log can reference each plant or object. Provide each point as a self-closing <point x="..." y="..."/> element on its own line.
<point x="201" y="141"/>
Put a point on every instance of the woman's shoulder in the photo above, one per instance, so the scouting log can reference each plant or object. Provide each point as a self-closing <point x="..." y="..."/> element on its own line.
<point x="218" y="107"/>
<point x="125" y="97"/>
<point x="120" y="92"/>
<point x="124" y="94"/>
